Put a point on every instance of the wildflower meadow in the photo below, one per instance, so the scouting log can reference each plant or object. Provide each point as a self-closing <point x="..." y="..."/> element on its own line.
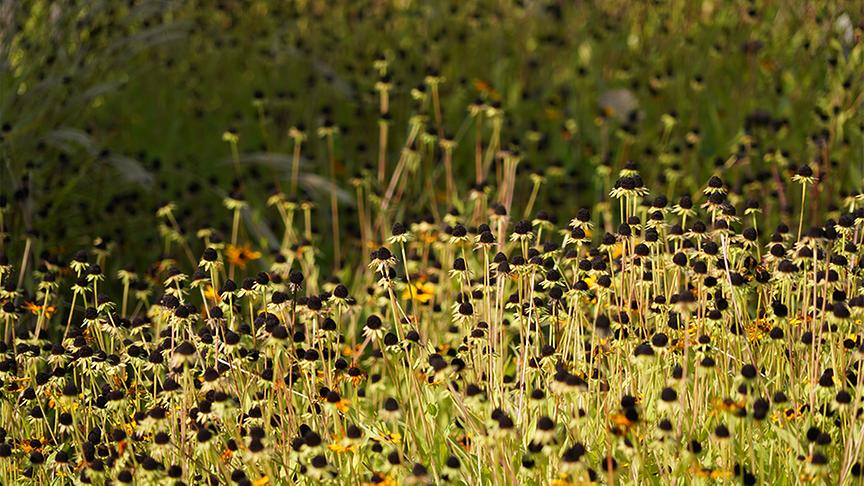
<point x="480" y="242"/>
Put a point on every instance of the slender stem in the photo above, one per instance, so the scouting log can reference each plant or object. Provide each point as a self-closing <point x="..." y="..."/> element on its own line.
<point x="801" y="217"/>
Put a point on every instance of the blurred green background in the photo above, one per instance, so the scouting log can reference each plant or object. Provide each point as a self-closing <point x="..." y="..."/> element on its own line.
<point x="111" y="108"/>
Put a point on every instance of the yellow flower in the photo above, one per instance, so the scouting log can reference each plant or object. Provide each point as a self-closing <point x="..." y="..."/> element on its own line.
<point x="382" y="480"/>
<point x="758" y="329"/>
<point x="428" y="237"/>
<point x="421" y="290"/>
<point x="65" y="406"/>
<point x="690" y="337"/>
<point x="390" y="438"/>
<point x="789" y="414"/>
<point x="343" y="405"/>
<point x="617" y="250"/>
<point x="211" y="294"/>
<point x="340" y="448"/>
<point x="241" y="255"/>
<point x="727" y="405"/>
<point x="708" y="472"/>
<point x="721" y="474"/>
<point x="130" y="427"/>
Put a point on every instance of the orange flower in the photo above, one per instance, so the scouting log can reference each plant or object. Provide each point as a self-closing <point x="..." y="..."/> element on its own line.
<point x="485" y="87"/>
<point x="621" y="420"/>
<point x="35" y="309"/>
<point x="347" y="350"/>
<point x="27" y="448"/>
<point x="465" y="442"/>
<point x="241" y="255"/>
<point x="343" y="405"/>
<point x="356" y="380"/>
